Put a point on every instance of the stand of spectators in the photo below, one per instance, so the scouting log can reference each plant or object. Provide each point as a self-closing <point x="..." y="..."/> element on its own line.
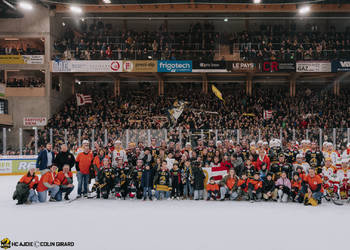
<point x="25" y="83"/>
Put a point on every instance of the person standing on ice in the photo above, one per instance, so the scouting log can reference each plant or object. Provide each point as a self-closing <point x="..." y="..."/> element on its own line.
<point x="284" y="186"/>
<point x="45" y="159"/>
<point x="118" y="153"/>
<point x="162" y="182"/>
<point x="83" y="165"/>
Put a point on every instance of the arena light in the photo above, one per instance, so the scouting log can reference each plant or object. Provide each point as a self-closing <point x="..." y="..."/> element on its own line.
<point x="226" y="20"/>
<point x="304" y="9"/>
<point x="76" y="9"/>
<point x="257" y="1"/>
<point x="107" y="1"/>
<point x="25" y="5"/>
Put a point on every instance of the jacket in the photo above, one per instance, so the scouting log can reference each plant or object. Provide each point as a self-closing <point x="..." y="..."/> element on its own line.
<point x="268" y="186"/>
<point x="32" y="182"/>
<point x="213" y="187"/>
<point x="46" y="181"/>
<point x="284" y="182"/>
<point x="41" y="161"/>
<point x="198" y="176"/>
<point x="64" y="181"/>
<point x="231" y="183"/>
<point x="147" y="179"/>
<point x="83" y="162"/>
<point x="63" y="158"/>
<point x="255" y="184"/>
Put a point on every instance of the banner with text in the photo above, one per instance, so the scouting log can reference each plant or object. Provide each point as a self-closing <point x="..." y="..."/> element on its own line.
<point x="21" y="59"/>
<point x="87" y="66"/>
<point x="140" y="66"/>
<point x="216" y="66"/>
<point x="274" y="66"/>
<point x="35" y="121"/>
<point x="174" y="66"/>
<point x="245" y="67"/>
<point x="313" y="66"/>
<point x="16" y="164"/>
<point x="340" y="66"/>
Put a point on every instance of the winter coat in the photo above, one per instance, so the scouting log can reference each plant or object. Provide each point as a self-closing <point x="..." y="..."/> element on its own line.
<point x="199" y="177"/>
<point x="63" y="158"/>
<point x="41" y="161"/>
<point x="147" y="178"/>
<point x="268" y="186"/>
<point x="231" y="183"/>
<point x="21" y="193"/>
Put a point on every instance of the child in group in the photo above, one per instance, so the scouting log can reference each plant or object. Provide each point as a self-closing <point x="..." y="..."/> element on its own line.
<point x="296" y="188"/>
<point x="243" y="187"/>
<point x="198" y="181"/>
<point x="212" y="189"/>
<point x="175" y="174"/>
<point x="269" y="190"/>
<point x="255" y="188"/>
<point x="147" y="182"/>
<point x="162" y="182"/>
<point x="284" y="186"/>
<point x="187" y="180"/>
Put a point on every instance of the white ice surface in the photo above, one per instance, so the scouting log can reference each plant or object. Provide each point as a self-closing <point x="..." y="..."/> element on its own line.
<point x="174" y="225"/>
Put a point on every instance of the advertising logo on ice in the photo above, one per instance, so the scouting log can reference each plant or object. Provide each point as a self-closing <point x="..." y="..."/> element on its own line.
<point x="174" y="66"/>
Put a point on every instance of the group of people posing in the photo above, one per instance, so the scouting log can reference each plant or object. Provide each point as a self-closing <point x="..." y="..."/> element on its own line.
<point x="213" y="171"/>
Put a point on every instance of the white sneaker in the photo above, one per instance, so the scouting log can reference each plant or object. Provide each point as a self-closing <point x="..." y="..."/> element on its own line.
<point x="168" y="199"/>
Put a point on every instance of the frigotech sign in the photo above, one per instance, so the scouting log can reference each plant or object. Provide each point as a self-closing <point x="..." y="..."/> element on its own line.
<point x="340" y="66"/>
<point x="174" y="66"/>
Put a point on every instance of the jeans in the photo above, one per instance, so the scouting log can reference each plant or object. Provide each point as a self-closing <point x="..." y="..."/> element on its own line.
<point x="224" y="191"/>
<point x="198" y="194"/>
<point x="188" y="189"/>
<point x="83" y="180"/>
<point x="147" y="190"/>
<point x="63" y="190"/>
<point x="165" y="194"/>
<point x="317" y="195"/>
<point x="282" y="196"/>
<point x="33" y="197"/>
<point x="43" y="195"/>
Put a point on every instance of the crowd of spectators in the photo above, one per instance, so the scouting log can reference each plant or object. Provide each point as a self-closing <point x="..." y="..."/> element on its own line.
<point x="202" y="116"/>
<point x="25" y="83"/>
<point x="102" y="41"/>
<point x="20" y="50"/>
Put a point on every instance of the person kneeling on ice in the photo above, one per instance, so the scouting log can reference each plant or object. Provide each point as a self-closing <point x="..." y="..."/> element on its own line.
<point x="312" y="188"/>
<point x="269" y="190"/>
<point x="65" y="178"/>
<point x="255" y="188"/>
<point x="283" y="186"/>
<point x="212" y="189"/>
<point x="106" y="180"/>
<point x="229" y="185"/>
<point x="25" y="189"/>
<point x="162" y="182"/>
<point x="48" y="182"/>
<point x="147" y="182"/>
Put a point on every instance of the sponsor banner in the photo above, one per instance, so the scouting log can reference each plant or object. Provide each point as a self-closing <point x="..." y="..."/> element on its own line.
<point x="274" y="66"/>
<point x="16" y="163"/>
<point x="216" y="66"/>
<point x="2" y="89"/>
<point x="35" y="121"/>
<point x="313" y="66"/>
<point x="244" y="67"/>
<point x="340" y="66"/>
<point x="87" y="66"/>
<point x="140" y="66"/>
<point x="174" y="66"/>
<point x="21" y="59"/>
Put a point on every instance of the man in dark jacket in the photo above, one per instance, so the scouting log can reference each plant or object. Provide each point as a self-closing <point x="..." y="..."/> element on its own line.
<point x="198" y="178"/>
<point x="269" y="189"/>
<point x="64" y="157"/>
<point x="147" y="182"/>
<point x="45" y="159"/>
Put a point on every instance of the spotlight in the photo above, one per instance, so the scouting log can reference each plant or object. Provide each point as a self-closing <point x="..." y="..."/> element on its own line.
<point x="257" y="1"/>
<point x="76" y="9"/>
<point x="26" y="6"/>
<point x="107" y="1"/>
<point x="63" y="24"/>
<point x="226" y="20"/>
<point x="304" y="9"/>
<point x="82" y="19"/>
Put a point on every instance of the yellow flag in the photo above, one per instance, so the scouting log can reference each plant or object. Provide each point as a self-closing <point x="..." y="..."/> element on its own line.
<point x="217" y="93"/>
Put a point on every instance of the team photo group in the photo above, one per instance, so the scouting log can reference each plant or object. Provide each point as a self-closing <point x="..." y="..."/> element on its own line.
<point x="248" y="171"/>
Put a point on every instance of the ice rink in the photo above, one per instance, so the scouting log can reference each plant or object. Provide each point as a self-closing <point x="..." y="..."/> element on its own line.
<point x="173" y="225"/>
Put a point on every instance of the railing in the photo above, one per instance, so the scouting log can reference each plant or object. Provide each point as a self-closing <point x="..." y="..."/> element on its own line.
<point x="25" y="140"/>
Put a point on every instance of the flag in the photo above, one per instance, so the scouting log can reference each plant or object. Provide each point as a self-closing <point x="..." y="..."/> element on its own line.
<point x="176" y="110"/>
<point x="83" y="99"/>
<point x="267" y="114"/>
<point x="217" y="172"/>
<point x="217" y="93"/>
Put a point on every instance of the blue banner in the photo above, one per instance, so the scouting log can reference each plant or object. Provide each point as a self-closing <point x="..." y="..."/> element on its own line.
<point x="340" y="66"/>
<point x="174" y="66"/>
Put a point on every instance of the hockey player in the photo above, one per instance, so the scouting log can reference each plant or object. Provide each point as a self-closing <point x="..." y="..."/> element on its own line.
<point x="281" y="166"/>
<point x="291" y="152"/>
<point x="175" y="175"/>
<point x="314" y="158"/>
<point x="301" y="163"/>
<point x="162" y="183"/>
<point x="106" y="180"/>
<point x="118" y="153"/>
<point x="346" y="153"/>
<point x="343" y="178"/>
<point x="331" y="153"/>
<point x="304" y="148"/>
<point x="275" y="150"/>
